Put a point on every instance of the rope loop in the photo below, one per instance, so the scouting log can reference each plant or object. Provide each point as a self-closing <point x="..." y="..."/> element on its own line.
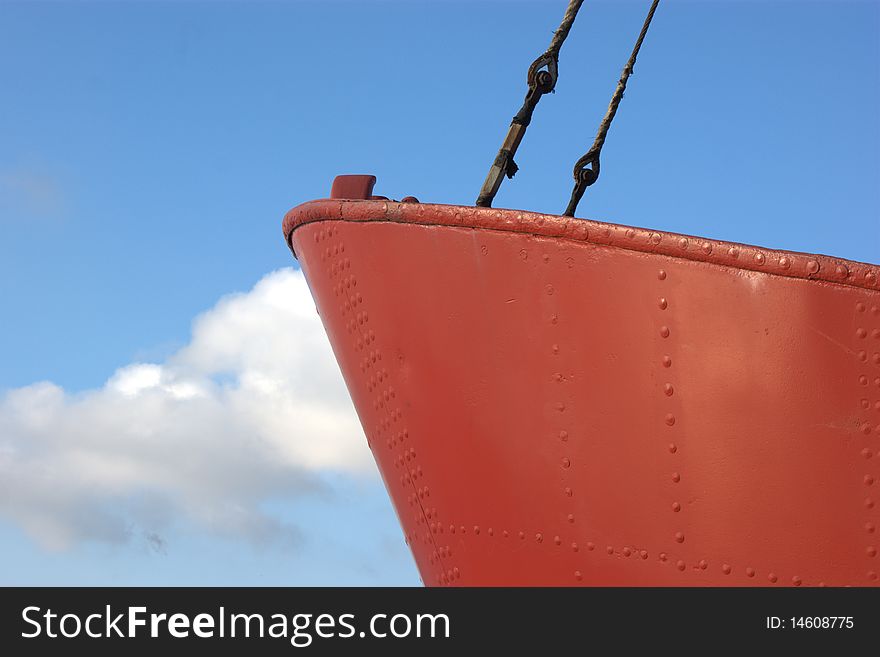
<point x="584" y="177"/>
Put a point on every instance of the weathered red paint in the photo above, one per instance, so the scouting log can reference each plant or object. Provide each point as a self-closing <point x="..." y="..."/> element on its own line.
<point x="556" y="401"/>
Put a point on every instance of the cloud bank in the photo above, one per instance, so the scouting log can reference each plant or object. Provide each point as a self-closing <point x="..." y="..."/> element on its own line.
<point x="251" y="411"/>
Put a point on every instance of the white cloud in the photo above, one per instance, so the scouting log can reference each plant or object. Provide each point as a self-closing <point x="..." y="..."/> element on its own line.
<point x="252" y="410"/>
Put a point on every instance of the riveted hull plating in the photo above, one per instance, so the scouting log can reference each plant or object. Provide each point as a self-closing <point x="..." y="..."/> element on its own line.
<point x="554" y="401"/>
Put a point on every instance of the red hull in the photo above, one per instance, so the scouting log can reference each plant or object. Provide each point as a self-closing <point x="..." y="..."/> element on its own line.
<point x="555" y="401"/>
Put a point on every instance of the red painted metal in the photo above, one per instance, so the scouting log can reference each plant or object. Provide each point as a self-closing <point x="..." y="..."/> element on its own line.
<point x="555" y="401"/>
<point x="352" y="187"/>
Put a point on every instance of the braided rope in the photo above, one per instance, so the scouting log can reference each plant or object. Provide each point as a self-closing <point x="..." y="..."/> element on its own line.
<point x="586" y="169"/>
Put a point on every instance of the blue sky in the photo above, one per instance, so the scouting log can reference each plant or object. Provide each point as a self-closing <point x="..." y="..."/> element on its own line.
<point x="149" y="150"/>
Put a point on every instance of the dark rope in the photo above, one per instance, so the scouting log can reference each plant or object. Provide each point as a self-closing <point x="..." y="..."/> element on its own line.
<point x="540" y="82"/>
<point x="550" y="57"/>
<point x="586" y="169"/>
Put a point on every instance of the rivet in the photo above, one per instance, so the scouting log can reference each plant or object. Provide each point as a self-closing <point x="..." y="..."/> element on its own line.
<point x="574" y="547"/>
<point x="476" y="529"/>
<point x="707" y="248"/>
<point x="867" y="453"/>
<point x="870" y="277"/>
<point x="872" y="575"/>
<point x="539" y="537"/>
<point x="571" y="517"/>
<point x="663" y="303"/>
<point x="842" y="271"/>
<point x="566" y="462"/>
<point x="680" y="565"/>
<point x="522" y="535"/>
<point x="676" y="477"/>
<point x="491" y="531"/>
<point x="555" y="349"/>
<point x="668" y="389"/>
<point x="759" y="258"/>
<point x="726" y="569"/>
<point x="655" y="238"/>
<point x="546" y="258"/>
<point x="578" y="576"/>
<point x="505" y="533"/>
<point x="796" y="580"/>
<point x="563" y="435"/>
<point x="772" y="577"/>
<point x="662" y="556"/>
<point x="871" y="551"/>
<point x="679" y="537"/>
<point x="627" y="552"/>
<point x="667" y="361"/>
<point x="863" y="356"/>
<point x="683" y="243"/>
<point x="812" y="266"/>
<point x="703" y="564"/>
<point x="670" y="419"/>
<point x="664" y="331"/>
<point x="860" y="307"/>
<point x="630" y="233"/>
<point x="560" y="406"/>
<point x="591" y="546"/>
<point x="784" y="262"/>
<point x="550" y="290"/>
<point x="865" y="428"/>
<point x="557" y="540"/>
<point x="672" y="448"/>
<point x="461" y="529"/>
<point x="568" y="491"/>
<point x="661" y="274"/>
<point x="869" y="527"/>
<point x="750" y="572"/>
<point x="609" y="549"/>
<point x="863" y="380"/>
<point x="643" y="554"/>
<point x="676" y="507"/>
<point x="869" y="503"/>
<point x="733" y="252"/>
